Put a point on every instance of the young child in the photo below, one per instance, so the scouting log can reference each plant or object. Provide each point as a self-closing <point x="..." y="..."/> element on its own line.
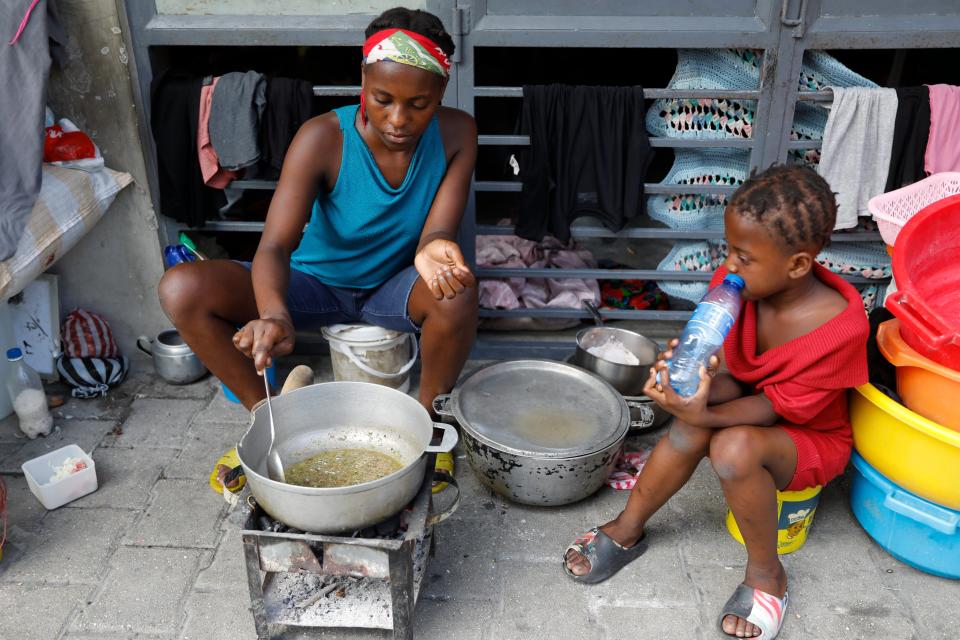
<point x="778" y="419"/>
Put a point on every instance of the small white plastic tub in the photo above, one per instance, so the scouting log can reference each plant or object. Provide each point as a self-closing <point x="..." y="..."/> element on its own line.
<point x="56" y="493"/>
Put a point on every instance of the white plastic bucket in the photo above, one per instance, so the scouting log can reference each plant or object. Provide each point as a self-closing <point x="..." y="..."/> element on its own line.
<point x="365" y="353"/>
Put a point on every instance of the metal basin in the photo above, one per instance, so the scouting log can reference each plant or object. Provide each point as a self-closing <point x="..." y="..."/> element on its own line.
<point x="337" y="415"/>
<point x="625" y="378"/>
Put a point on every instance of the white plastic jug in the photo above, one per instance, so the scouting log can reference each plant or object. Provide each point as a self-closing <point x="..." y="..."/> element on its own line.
<point x="366" y="353"/>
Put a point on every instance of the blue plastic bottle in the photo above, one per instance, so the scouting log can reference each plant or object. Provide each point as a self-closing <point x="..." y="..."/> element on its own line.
<point x="704" y="334"/>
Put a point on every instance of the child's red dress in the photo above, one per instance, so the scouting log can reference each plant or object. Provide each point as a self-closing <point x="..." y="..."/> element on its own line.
<point x="806" y="380"/>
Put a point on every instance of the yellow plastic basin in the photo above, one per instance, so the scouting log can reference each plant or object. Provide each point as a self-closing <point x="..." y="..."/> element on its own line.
<point x="909" y="450"/>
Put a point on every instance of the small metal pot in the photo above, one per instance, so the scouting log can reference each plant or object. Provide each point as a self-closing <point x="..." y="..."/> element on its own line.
<point x="539" y="432"/>
<point x="625" y="378"/>
<point x="173" y="359"/>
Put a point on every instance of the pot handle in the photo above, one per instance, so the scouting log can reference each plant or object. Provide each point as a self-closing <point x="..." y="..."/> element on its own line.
<point x="450" y="439"/>
<point x="591" y="308"/>
<point x="436" y="518"/>
<point x="367" y="369"/>
<point x="921" y="320"/>
<point x="441" y="404"/>
<point x="646" y="413"/>
<point x="147" y="351"/>
<point x="921" y="511"/>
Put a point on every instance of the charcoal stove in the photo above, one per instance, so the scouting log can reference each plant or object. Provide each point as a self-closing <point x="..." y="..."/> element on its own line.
<point x="368" y="580"/>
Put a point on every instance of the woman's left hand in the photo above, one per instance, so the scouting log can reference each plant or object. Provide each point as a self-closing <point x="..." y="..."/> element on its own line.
<point x="441" y="265"/>
<point x="692" y="410"/>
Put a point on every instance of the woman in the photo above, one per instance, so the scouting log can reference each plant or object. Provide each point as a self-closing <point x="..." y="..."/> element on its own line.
<point x="383" y="185"/>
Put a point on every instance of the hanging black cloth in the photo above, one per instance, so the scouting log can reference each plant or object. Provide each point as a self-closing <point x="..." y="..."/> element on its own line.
<point x="588" y="155"/>
<point x="174" y="114"/>
<point x="289" y="105"/>
<point x="911" y="128"/>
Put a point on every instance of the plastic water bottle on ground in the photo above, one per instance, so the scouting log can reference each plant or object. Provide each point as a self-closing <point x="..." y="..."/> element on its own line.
<point x="704" y="334"/>
<point x="28" y="397"/>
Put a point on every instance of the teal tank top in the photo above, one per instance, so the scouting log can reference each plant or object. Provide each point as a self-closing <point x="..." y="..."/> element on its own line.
<point x="363" y="232"/>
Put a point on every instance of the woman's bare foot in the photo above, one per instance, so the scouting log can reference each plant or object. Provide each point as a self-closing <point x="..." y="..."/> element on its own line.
<point x="623" y="534"/>
<point x="772" y="581"/>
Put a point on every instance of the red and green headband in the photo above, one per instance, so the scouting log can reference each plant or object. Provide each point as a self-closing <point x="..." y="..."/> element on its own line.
<point x="406" y="47"/>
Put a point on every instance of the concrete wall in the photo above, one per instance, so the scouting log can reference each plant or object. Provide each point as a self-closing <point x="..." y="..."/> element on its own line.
<point x="114" y="269"/>
<point x="281" y="7"/>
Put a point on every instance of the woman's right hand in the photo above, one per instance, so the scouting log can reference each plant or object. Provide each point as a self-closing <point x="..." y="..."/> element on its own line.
<point x="265" y="339"/>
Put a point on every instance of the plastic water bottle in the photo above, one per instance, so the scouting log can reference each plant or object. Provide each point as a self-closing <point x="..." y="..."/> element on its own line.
<point x="174" y="254"/>
<point x="28" y="397"/>
<point x="704" y="334"/>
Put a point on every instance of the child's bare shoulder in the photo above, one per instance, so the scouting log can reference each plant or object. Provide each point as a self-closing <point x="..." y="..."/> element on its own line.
<point x="817" y="308"/>
<point x="820" y="307"/>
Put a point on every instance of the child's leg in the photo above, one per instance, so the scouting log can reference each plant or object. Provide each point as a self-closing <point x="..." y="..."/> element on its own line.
<point x="752" y="462"/>
<point x="671" y="464"/>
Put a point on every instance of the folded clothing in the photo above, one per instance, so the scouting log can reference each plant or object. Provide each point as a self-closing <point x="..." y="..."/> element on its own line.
<point x="588" y="155"/>
<point x="638" y="295"/>
<point x="943" y="142"/>
<point x="910" y="132"/>
<point x="289" y="105"/>
<point x="534" y="293"/>
<point x="857" y="143"/>
<point x="238" y="102"/>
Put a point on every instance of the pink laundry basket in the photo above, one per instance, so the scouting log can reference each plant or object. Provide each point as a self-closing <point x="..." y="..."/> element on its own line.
<point x="894" y="209"/>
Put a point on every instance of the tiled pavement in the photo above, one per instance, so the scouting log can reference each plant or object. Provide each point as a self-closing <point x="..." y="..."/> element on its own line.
<point x="152" y="553"/>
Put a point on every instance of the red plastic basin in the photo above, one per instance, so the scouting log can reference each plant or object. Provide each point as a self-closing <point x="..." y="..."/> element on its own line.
<point x="926" y="266"/>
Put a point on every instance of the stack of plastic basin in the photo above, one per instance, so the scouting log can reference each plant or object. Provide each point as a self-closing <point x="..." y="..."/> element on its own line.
<point x="926" y="266"/>
<point x="906" y="483"/>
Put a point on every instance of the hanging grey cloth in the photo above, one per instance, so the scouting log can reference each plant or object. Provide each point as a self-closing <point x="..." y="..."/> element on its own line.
<point x="24" y="69"/>
<point x="857" y="143"/>
<point x="234" y="125"/>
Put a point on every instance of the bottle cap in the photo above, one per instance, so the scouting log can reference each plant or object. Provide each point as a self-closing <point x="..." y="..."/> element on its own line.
<point x="14" y="354"/>
<point x="734" y="280"/>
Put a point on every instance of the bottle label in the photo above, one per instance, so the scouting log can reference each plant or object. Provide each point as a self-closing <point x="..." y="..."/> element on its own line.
<point x="713" y="316"/>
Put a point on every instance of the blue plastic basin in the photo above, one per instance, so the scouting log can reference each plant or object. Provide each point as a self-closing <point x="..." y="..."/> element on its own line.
<point x="922" y="534"/>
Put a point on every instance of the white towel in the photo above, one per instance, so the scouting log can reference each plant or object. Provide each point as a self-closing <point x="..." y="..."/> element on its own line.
<point x="857" y="143"/>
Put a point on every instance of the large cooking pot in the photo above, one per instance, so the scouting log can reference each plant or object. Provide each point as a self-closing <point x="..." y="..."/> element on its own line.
<point x="539" y="432"/>
<point x="338" y="415"/>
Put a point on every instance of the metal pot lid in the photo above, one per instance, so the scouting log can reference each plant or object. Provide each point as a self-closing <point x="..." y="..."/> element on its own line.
<point x="541" y="408"/>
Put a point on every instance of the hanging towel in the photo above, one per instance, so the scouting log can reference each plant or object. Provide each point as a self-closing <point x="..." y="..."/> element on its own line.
<point x="943" y="144"/>
<point x="289" y="105"/>
<point x="856" y="148"/>
<point x="910" y="131"/>
<point x="175" y="118"/>
<point x="213" y="174"/>
<point x="238" y="102"/>
<point x="28" y="29"/>
<point x="588" y="155"/>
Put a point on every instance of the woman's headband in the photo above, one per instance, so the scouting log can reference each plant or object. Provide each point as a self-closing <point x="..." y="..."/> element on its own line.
<point x="406" y="47"/>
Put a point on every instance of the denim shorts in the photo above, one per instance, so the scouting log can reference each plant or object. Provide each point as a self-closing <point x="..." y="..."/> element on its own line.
<point x="313" y="304"/>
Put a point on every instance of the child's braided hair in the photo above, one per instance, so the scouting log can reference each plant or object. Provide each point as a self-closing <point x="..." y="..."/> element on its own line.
<point x="422" y="22"/>
<point x="792" y="201"/>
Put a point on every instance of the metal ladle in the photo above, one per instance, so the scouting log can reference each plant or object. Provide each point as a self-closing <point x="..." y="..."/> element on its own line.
<point x="274" y="465"/>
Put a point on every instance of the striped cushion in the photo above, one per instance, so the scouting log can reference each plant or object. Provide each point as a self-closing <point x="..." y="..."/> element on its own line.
<point x="71" y="202"/>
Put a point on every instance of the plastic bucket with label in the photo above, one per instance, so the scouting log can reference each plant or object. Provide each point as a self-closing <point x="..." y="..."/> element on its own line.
<point x="366" y="353"/>
<point x="795" y="511"/>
